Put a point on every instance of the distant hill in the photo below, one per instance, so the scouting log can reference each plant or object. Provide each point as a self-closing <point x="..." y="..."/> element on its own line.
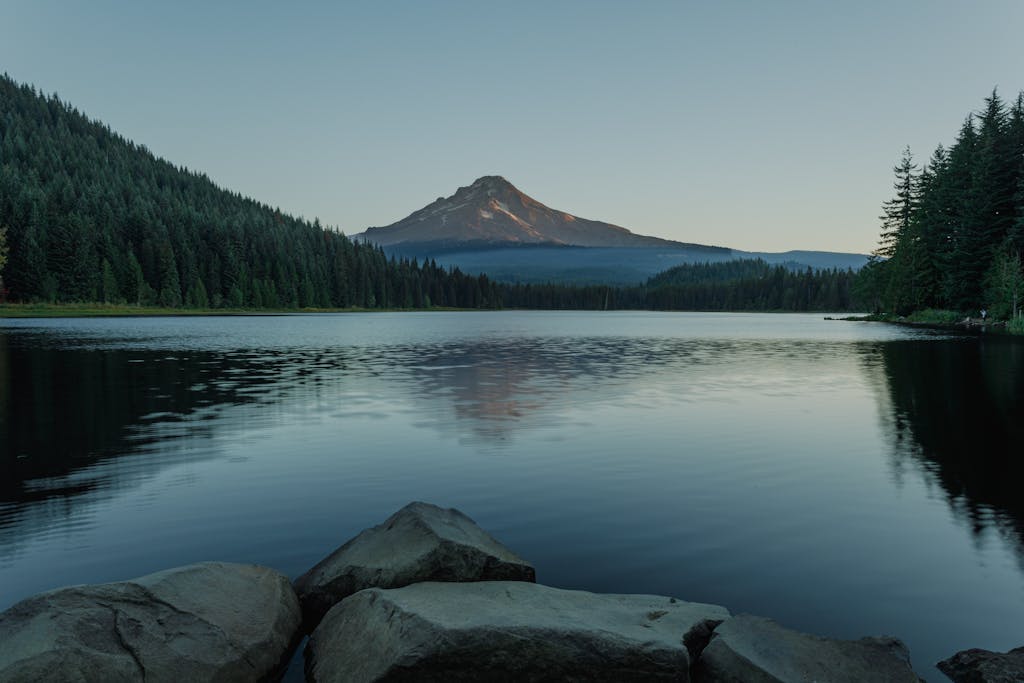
<point x="492" y="212"/>
<point x="601" y="265"/>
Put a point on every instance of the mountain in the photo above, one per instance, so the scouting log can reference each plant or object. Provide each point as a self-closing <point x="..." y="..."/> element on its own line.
<point x="493" y="212"/>
<point x="492" y="227"/>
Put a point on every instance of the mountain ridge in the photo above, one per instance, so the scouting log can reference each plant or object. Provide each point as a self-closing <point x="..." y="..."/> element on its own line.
<point x="491" y="210"/>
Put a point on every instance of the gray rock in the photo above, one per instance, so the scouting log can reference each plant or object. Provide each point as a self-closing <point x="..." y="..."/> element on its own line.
<point x="204" y="622"/>
<point x="420" y="542"/>
<point x="504" y="631"/>
<point x="748" y="649"/>
<point x="983" y="666"/>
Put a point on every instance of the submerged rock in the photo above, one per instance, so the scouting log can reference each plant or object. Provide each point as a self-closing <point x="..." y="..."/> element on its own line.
<point x="984" y="666"/>
<point x="749" y="649"/>
<point x="506" y="630"/>
<point x="420" y="542"/>
<point x="204" y="622"/>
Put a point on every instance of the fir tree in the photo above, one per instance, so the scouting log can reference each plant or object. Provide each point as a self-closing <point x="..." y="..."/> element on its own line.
<point x="897" y="212"/>
<point x="1005" y="281"/>
<point x="3" y="260"/>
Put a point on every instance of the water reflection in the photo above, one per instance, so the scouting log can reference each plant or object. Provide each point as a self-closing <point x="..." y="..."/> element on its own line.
<point x="956" y="414"/>
<point x="64" y="409"/>
<point x="67" y="405"/>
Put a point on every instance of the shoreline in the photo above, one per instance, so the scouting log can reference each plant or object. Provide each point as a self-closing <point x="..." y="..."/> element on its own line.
<point x="977" y="326"/>
<point x="90" y="310"/>
<point x="29" y="311"/>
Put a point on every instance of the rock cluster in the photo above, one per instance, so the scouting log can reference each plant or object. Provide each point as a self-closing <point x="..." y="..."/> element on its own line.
<point x="425" y="596"/>
<point x="983" y="666"/>
<point x="420" y="542"/>
<point x="205" y="622"/>
<point x="506" y="630"/>
<point x="755" y="650"/>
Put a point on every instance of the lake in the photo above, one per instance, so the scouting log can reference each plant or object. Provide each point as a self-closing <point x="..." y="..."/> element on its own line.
<point x="843" y="478"/>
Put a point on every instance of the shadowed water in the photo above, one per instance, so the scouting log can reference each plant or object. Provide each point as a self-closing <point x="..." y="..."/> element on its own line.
<point x="844" y="478"/>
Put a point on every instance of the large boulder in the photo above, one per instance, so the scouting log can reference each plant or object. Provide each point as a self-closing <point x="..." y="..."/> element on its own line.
<point x="504" y="631"/>
<point x="420" y="542"/>
<point x="984" y="666"/>
<point x="204" y="622"/>
<point x="748" y="649"/>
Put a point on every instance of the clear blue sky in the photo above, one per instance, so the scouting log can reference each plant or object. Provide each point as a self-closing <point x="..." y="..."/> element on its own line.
<point x="756" y="125"/>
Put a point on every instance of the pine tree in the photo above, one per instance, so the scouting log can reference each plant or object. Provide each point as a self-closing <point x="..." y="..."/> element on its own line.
<point x="1005" y="281"/>
<point x="963" y="271"/>
<point x="930" y="230"/>
<point x="197" y="297"/>
<point x="991" y="199"/>
<point x="899" y="241"/>
<point x="111" y="293"/>
<point x="170" y="284"/>
<point x="897" y="212"/>
<point x="3" y="260"/>
<point x="136" y="282"/>
<point x="1016" y="144"/>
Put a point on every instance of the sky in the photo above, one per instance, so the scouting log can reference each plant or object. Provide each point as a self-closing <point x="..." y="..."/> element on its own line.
<point x="749" y="124"/>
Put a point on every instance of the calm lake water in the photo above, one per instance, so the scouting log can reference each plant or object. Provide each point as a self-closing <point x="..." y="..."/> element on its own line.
<point x="843" y="478"/>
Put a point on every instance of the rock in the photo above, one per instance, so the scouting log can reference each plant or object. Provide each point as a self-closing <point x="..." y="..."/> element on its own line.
<point x="503" y="631"/>
<point x="748" y="649"/>
<point x="420" y="542"/>
<point x="203" y="622"/>
<point x="983" y="666"/>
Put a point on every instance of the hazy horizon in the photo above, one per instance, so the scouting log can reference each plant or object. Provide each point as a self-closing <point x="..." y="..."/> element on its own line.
<point x="752" y="126"/>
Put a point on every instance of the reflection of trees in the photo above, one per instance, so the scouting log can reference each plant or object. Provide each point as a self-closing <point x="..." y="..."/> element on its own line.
<point x="84" y="419"/>
<point x="64" y="406"/>
<point x="957" y="410"/>
<point x="82" y="423"/>
<point x="68" y="408"/>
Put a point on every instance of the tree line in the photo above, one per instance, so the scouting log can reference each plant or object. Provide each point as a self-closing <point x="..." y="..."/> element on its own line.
<point x="953" y="234"/>
<point x="739" y="285"/>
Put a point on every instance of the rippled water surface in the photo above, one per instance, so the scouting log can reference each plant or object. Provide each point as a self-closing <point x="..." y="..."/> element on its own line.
<point x="844" y="478"/>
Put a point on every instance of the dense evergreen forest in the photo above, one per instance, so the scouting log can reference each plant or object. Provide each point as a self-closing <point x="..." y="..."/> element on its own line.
<point x="741" y="285"/>
<point x="88" y="216"/>
<point x="953" y="234"/>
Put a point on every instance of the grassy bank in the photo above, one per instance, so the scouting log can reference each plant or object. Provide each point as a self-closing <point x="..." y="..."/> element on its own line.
<point x="124" y="310"/>
<point x="926" y="317"/>
<point x="944" y="318"/>
<point x="90" y="310"/>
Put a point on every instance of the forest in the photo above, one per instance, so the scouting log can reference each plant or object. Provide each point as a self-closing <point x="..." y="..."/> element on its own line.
<point x="953" y="233"/>
<point x="740" y="285"/>
<point x="88" y="216"/>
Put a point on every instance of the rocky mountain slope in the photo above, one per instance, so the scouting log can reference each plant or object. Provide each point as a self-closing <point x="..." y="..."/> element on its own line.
<point x="493" y="211"/>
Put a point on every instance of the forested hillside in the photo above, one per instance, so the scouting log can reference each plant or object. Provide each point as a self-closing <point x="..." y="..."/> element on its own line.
<point x="91" y="216"/>
<point x="750" y="285"/>
<point x="953" y="235"/>
<point x="741" y="285"/>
